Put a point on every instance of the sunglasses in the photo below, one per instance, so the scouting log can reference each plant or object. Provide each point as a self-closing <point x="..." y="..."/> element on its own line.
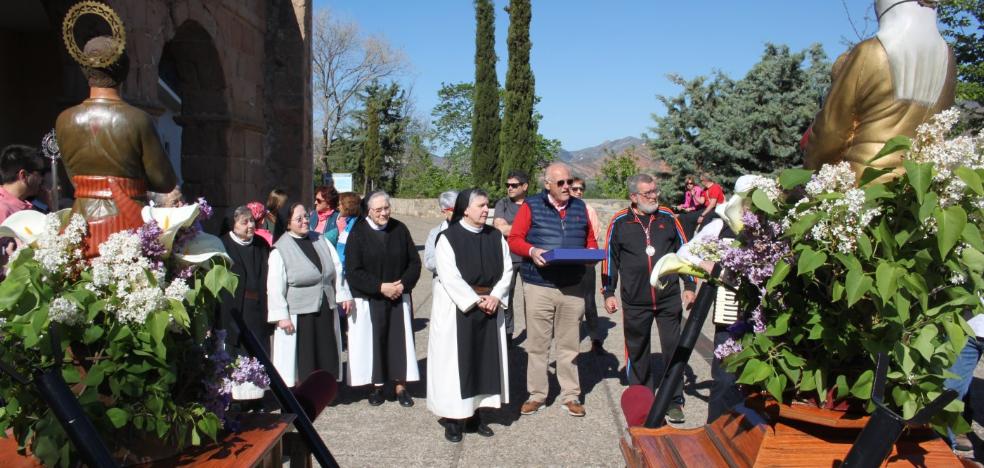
<point x="577" y="189"/>
<point x="562" y="182"/>
<point x="512" y="185"/>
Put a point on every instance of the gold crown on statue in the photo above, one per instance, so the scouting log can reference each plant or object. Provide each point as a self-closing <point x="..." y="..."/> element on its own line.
<point x="103" y="11"/>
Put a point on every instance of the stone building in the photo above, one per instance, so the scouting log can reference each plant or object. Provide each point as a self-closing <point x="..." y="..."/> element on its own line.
<point x="229" y="82"/>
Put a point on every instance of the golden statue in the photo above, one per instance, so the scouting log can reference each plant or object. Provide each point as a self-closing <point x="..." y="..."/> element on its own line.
<point x="884" y="87"/>
<point x="110" y="149"/>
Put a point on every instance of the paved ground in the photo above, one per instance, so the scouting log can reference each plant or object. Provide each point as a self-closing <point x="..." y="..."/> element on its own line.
<point x="390" y="435"/>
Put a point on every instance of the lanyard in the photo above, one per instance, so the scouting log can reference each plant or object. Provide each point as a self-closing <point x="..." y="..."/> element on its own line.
<point x="650" y="250"/>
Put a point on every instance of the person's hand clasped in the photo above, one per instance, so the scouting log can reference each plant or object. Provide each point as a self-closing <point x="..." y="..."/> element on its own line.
<point x="688" y="300"/>
<point x="537" y="256"/>
<point x="286" y="325"/>
<point x="347" y="306"/>
<point x="392" y="291"/>
<point x="488" y="304"/>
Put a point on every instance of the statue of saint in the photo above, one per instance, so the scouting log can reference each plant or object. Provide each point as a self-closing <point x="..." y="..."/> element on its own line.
<point x="884" y="87"/>
<point x="110" y="149"/>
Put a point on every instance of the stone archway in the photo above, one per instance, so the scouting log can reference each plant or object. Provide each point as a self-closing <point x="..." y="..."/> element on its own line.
<point x="191" y="68"/>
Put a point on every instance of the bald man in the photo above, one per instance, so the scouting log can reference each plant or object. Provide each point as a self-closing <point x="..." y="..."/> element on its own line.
<point x="554" y="297"/>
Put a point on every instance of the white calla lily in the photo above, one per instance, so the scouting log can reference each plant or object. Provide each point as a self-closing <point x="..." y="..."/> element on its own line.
<point x="170" y="220"/>
<point x="25" y="225"/>
<point x="202" y="248"/>
<point x="731" y="212"/>
<point x="671" y="264"/>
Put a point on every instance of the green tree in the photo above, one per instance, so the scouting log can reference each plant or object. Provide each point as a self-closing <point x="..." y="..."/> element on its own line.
<point x="674" y="138"/>
<point x="758" y="124"/>
<point x="615" y="170"/>
<point x="382" y="121"/>
<point x="963" y="22"/>
<point x="452" y="121"/>
<point x="519" y="129"/>
<point x="372" y="151"/>
<point x="485" y="121"/>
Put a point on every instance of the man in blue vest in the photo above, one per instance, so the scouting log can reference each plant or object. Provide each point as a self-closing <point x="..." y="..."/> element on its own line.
<point x="554" y="296"/>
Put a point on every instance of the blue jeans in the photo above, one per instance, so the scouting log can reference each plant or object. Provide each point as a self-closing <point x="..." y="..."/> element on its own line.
<point x="964" y="367"/>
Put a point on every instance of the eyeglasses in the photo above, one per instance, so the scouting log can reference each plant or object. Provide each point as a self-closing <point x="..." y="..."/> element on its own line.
<point x="561" y="182"/>
<point x="577" y="189"/>
<point x="384" y="209"/>
<point x="512" y="185"/>
<point x="300" y="219"/>
<point x="649" y="194"/>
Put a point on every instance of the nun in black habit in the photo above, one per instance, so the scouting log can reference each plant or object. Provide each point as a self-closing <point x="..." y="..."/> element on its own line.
<point x="249" y="255"/>
<point x="467" y="365"/>
<point x="382" y="267"/>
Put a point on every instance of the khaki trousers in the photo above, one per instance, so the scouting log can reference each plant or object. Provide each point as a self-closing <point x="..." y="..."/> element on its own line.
<point x="553" y="313"/>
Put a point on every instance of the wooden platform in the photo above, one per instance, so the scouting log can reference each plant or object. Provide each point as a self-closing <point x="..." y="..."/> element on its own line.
<point x="258" y="444"/>
<point x="768" y="434"/>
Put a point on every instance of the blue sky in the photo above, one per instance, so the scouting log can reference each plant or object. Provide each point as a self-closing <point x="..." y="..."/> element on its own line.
<point x="600" y="64"/>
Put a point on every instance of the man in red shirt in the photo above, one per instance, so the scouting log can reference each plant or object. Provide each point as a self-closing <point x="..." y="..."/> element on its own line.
<point x="713" y="196"/>
<point x="554" y="297"/>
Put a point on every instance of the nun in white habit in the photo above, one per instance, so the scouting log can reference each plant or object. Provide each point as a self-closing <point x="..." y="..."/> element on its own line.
<point x="304" y="285"/>
<point x="467" y="364"/>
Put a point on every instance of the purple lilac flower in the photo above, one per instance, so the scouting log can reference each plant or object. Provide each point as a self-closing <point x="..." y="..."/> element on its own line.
<point x="760" y="249"/>
<point x="217" y="399"/>
<point x="204" y="209"/>
<point x="729" y="347"/>
<point x="249" y="369"/>
<point x="150" y="244"/>
<point x="185" y="235"/>
<point x="186" y="273"/>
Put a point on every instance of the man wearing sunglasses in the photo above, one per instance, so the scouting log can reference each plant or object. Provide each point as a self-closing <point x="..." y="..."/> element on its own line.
<point x="590" y="280"/>
<point x="554" y="296"/>
<point x="517" y="183"/>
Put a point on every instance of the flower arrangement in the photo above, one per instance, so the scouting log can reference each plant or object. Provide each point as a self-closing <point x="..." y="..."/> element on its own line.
<point x="128" y="330"/>
<point x="832" y="271"/>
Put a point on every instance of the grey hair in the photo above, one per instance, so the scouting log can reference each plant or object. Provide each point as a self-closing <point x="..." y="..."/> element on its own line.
<point x="376" y="195"/>
<point x="632" y="183"/>
<point x="475" y="193"/>
<point x="242" y="212"/>
<point x="447" y="199"/>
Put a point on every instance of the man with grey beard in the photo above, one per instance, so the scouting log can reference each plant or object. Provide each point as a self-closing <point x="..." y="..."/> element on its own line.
<point x="637" y="237"/>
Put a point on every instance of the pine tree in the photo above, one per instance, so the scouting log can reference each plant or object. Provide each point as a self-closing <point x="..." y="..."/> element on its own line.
<point x="517" y="148"/>
<point x="485" y="119"/>
<point x="371" y="149"/>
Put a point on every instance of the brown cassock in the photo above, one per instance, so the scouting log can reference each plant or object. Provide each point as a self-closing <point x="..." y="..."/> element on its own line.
<point x="861" y="112"/>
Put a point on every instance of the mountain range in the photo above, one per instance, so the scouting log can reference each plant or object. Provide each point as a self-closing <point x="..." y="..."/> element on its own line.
<point x="587" y="162"/>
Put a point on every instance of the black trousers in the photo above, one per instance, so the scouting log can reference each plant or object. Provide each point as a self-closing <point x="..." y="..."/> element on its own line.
<point x="638" y="325"/>
<point x="589" y="283"/>
<point x="724" y="393"/>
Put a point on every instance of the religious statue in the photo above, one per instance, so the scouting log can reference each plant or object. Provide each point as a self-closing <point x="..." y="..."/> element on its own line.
<point x="110" y="149"/>
<point x="883" y="87"/>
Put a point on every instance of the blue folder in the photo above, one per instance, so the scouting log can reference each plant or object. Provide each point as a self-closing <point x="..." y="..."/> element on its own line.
<point x="574" y="256"/>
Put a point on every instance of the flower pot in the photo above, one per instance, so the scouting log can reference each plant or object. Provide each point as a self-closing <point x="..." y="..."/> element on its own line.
<point x="762" y="432"/>
<point x="247" y="391"/>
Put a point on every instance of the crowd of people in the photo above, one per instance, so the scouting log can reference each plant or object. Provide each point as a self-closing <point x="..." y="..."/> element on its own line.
<point x="315" y="283"/>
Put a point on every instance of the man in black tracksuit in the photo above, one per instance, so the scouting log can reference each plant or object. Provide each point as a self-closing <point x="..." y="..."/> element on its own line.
<point x="636" y="239"/>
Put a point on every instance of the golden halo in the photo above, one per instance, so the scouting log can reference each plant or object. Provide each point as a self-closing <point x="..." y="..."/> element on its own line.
<point x="103" y="11"/>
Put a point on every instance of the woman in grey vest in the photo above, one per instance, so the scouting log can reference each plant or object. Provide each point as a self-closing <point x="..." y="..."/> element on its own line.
<point x="304" y="284"/>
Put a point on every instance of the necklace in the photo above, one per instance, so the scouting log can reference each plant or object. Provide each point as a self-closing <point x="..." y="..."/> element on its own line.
<point x="650" y="250"/>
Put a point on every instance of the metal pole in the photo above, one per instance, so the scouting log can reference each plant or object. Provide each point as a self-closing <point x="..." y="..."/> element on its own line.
<point x="284" y="395"/>
<point x="72" y="418"/>
<point x="673" y="375"/>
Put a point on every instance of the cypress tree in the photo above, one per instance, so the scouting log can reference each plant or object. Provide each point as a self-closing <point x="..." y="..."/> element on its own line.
<point x="485" y="117"/>
<point x="517" y="147"/>
<point x="372" y="151"/>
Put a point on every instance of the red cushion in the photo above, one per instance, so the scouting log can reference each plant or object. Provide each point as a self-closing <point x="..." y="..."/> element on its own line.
<point x="316" y="392"/>
<point x="636" y="401"/>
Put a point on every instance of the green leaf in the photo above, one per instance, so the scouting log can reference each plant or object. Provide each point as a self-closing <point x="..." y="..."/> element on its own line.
<point x="886" y="281"/>
<point x="804" y="224"/>
<point x="780" y="326"/>
<point x="755" y="371"/>
<point x="792" y="359"/>
<point x="762" y="202"/>
<point x="870" y="174"/>
<point x="92" y="334"/>
<point x="862" y="387"/>
<point x="778" y="274"/>
<point x="776" y="385"/>
<point x="14" y="286"/>
<point x="972" y="236"/>
<point x="856" y="286"/>
<point x="95" y="376"/>
<point x="790" y="178"/>
<point x="157" y="324"/>
<point x="821" y="389"/>
<point x="920" y="176"/>
<point x="969" y="177"/>
<point x="864" y="245"/>
<point x="973" y="258"/>
<point x="924" y="342"/>
<point x="219" y="278"/>
<point x="842" y="388"/>
<point x="179" y="313"/>
<point x="837" y="291"/>
<point x="893" y="145"/>
<point x="118" y="417"/>
<point x="950" y="223"/>
<point x="71" y="375"/>
<point x="195" y="438"/>
<point x="809" y="260"/>
<point x="955" y="333"/>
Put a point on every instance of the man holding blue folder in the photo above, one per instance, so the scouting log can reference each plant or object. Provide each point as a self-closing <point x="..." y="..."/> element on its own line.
<point x="551" y="220"/>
